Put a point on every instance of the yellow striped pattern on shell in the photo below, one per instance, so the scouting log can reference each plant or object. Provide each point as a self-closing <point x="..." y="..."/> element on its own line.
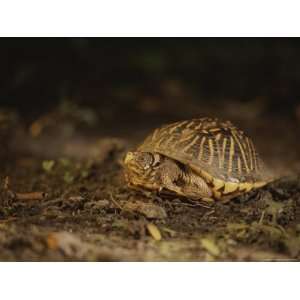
<point x="216" y="150"/>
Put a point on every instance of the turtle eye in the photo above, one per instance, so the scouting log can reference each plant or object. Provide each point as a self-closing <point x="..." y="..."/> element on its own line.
<point x="146" y="160"/>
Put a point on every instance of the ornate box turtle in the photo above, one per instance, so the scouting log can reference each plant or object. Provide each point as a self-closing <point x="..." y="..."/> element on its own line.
<point x="200" y="159"/>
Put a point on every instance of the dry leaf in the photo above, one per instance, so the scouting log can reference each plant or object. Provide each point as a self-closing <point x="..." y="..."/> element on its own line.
<point x="210" y="246"/>
<point x="154" y="231"/>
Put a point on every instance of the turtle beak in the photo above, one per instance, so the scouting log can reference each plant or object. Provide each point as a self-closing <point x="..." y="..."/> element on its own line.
<point x="128" y="158"/>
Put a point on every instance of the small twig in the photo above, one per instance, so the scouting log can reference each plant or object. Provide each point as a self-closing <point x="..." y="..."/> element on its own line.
<point x="22" y="196"/>
<point x="208" y="213"/>
<point x="52" y="202"/>
<point x="261" y="218"/>
<point x="115" y="202"/>
<point x="28" y="196"/>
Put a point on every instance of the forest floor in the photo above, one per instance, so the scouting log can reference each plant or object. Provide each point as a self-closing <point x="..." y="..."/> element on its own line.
<point x="63" y="196"/>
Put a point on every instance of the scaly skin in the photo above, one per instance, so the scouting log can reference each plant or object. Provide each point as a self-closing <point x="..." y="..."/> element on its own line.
<point x="164" y="173"/>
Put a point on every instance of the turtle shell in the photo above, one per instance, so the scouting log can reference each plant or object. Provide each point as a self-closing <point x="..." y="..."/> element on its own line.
<point x="215" y="149"/>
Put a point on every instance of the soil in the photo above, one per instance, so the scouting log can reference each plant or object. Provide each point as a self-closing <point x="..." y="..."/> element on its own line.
<point x="63" y="195"/>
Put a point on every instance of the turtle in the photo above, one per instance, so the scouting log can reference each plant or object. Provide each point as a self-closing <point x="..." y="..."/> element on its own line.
<point x="201" y="159"/>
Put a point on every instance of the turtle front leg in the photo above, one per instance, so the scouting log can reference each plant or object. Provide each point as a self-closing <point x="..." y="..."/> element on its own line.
<point x="196" y="188"/>
<point x="169" y="174"/>
<point x="183" y="183"/>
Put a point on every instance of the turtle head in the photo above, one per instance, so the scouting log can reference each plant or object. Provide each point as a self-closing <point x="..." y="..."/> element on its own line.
<point x="141" y="168"/>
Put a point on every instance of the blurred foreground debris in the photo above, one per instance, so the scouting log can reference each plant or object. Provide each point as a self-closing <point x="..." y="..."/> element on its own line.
<point x="154" y="231"/>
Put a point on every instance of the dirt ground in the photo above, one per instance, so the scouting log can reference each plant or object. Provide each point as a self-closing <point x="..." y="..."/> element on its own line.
<point x="63" y="196"/>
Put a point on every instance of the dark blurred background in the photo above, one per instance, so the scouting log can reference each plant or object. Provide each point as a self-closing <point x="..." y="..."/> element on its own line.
<point x="136" y="77"/>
